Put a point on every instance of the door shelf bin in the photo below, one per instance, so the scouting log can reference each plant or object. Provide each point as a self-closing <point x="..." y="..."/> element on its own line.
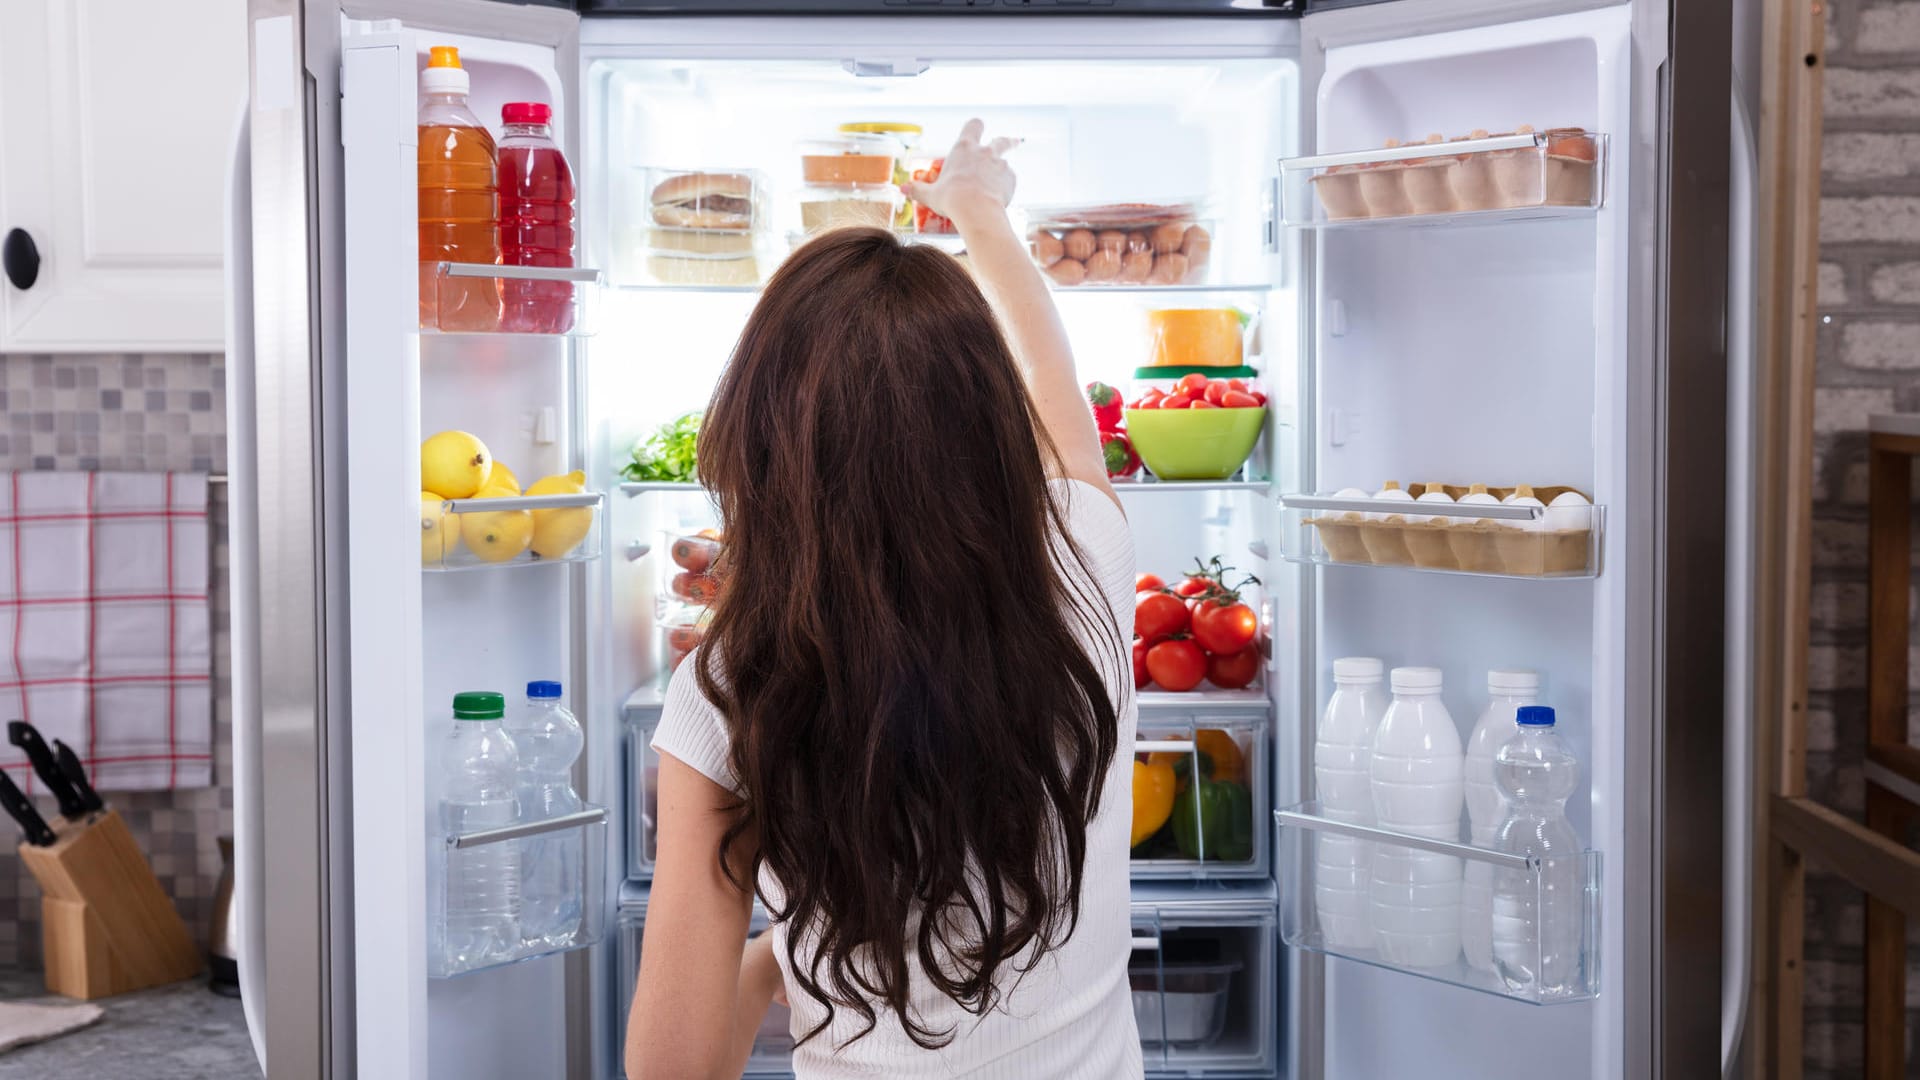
<point x="585" y="829"/>
<point x="490" y="299"/>
<point x="1320" y="910"/>
<point x="1485" y="541"/>
<point x="772" y="1053"/>
<point x="1203" y="987"/>
<point x="1561" y="173"/>
<point x="1231" y="750"/>
<point x="643" y="779"/>
<point x="513" y="531"/>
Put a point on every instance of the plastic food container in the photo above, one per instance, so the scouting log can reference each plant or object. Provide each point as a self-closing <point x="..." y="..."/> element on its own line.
<point x="850" y="158"/>
<point x="1196" y="337"/>
<point x="1121" y="244"/>
<point x="1181" y="1004"/>
<point x="908" y="136"/>
<point x="732" y="200"/>
<point x="824" y="208"/>
<point x="1167" y="379"/>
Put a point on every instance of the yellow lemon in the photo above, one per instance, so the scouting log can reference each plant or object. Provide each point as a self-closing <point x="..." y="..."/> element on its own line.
<point x="438" y="535"/>
<point x="500" y="480"/>
<point x="556" y="532"/>
<point x="454" y="465"/>
<point x="496" y="535"/>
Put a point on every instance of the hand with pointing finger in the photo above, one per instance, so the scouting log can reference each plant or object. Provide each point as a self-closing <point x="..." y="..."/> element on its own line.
<point x="975" y="183"/>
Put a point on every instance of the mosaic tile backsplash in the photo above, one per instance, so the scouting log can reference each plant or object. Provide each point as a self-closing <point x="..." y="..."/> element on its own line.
<point x="140" y="413"/>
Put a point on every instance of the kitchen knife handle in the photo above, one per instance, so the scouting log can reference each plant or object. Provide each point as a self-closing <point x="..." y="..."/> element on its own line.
<point x="76" y="773"/>
<point x="22" y="811"/>
<point x="27" y="737"/>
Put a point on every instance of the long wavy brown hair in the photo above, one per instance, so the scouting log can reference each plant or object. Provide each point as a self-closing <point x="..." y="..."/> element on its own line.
<point x="920" y="738"/>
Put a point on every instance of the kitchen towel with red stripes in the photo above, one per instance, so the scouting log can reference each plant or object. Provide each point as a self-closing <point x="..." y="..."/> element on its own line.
<point x="105" y="635"/>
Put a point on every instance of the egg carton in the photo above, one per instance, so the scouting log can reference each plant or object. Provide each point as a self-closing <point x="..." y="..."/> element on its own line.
<point x="1450" y="537"/>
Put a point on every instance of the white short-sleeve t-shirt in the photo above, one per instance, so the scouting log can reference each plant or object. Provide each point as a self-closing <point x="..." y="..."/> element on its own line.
<point x="1071" y="1017"/>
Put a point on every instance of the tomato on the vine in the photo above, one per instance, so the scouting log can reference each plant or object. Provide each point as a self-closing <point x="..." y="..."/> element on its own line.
<point x="1223" y="625"/>
<point x="1140" y="676"/>
<point x="1194" y="586"/>
<point x="1148" y="583"/>
<point x="1231" y="671"/>
<point x="1177" y="664"/>
<point x="1157" y="615"/>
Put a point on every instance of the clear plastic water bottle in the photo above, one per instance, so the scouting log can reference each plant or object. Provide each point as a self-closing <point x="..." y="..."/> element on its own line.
<point x="548" y="740"/>
<point x="1342" y="757"/>
<point x="1507" y="691"/>
<point x="1537" y="917"/>
<point x="482" y="882"/>
<point x="1417" y="788"/>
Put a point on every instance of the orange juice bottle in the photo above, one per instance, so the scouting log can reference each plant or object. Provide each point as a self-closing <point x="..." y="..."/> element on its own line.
<point x="459" y="201"/>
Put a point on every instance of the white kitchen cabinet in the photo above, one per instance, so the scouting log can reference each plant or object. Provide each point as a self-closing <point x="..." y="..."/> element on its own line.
<point x="117" y="120"/>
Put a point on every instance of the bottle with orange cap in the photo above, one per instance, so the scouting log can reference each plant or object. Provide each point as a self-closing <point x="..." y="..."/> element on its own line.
<point x="459" y="200"/>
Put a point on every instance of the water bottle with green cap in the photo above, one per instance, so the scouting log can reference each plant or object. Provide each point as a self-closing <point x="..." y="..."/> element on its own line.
<point x="482" y="882"/>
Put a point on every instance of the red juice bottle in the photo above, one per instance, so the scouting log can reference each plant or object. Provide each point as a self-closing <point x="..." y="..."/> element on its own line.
<point x="536" y="220"/>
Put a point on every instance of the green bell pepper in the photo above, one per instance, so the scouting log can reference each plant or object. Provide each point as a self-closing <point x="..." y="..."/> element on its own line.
<point x="1214" y="817"/>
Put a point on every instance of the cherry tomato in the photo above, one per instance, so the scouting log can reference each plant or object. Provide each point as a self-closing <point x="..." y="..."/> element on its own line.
<point x="1234" y="399"/>
<point x="1204" y="405"/>
<point x="1234" y="670"/>
<point x="1148" y="583"/>
<point x="1177" y="664"/>
<point x="1237" y="384"/>
<point x="1140" y="676"/>
<point x="1176" y="401"/>
<point x="1258" y="397"/>
<point x="1193" y="384"/>
<point x="1224" y="629"/>
<point x="1155" y="615"/>
<point x="1215" y="391"/>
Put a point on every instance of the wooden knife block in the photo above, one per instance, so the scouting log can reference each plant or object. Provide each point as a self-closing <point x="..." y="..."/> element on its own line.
<point x="107" y="927"/>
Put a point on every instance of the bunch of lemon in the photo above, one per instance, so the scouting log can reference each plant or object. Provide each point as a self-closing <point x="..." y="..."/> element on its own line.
<point x="457" y="465"/>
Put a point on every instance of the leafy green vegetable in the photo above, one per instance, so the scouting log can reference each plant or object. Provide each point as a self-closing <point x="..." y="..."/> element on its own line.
<point x="666" y="455"/>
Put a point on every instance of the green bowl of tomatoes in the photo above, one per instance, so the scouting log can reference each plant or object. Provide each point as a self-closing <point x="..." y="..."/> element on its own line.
<point x="1185" y="436"/>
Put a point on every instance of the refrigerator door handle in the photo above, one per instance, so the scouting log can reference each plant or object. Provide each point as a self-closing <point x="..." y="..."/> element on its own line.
<point x="249" y="880"/>
<point x="1738" y="812"/>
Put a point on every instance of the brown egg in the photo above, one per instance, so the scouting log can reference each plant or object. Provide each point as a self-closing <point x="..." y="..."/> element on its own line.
<point x="1135" y="266"/>
<point x="1168" y="269"/>
<point x="1079" y="243"/>
<point x="1047" y="248"/>
<point x="1167" y="237"/>
<point x="1113" y="240"/>
<point x="1195" y="246"/>
<point x="1068" y="272"/>
<point x="1103" y="265"/>
<point x="1140" y="240"/>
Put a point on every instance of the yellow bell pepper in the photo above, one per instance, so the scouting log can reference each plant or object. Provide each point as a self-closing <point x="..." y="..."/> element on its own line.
<point x="1153" y="789"/>
<point x="1224" y="759"/>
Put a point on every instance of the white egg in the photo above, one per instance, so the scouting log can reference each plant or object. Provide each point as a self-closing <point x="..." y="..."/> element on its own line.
<point x="1569" y="512"/>
<point x="1390" y="493"/>
<point x="1351" y="493"/>
<point x="1479" y="497"/>
<point x="1530" y="524"/>
<point x="1434" y="493"/>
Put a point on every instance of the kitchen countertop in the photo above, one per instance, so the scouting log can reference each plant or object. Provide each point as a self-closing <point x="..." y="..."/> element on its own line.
<point x="178" y="1032"/>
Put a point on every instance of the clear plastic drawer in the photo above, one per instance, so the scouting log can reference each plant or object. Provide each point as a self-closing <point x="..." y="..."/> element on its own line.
<point x="643" y="779"/>
<point x="1204" y="988"/>
<point x="1521" y="927"/>
<point x="772" y="1053"/>
<point x="495" y="942"/>
<point x="1217" y="827"/>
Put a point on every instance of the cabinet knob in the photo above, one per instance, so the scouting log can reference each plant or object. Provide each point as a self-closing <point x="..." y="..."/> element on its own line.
<point x="20" y="257"/>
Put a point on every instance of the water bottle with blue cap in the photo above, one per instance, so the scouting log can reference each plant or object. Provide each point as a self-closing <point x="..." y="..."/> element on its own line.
<point x="1537" y="913"/>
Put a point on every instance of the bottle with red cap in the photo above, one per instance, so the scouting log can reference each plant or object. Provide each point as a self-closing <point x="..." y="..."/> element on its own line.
<point x="536" y="220"/>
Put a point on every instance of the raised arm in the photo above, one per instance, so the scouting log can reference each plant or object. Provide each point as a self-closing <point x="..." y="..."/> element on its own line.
<point x="973" y="191"/>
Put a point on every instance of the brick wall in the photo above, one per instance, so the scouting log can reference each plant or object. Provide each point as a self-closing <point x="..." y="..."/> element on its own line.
<point x="1868" y="362"/>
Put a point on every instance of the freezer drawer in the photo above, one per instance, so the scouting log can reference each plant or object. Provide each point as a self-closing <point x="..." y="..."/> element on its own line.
<point x="1204" y="978"/>
<point x="1213" y="829"/>
<point x="772" y="1045"/>
<point x="643" y="777"/>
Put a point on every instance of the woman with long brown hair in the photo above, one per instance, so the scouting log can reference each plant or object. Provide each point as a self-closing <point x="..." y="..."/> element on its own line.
<point x="904" y="728"/>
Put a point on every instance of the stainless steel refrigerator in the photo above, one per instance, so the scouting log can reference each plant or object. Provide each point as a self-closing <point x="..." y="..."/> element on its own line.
<point x="1579" y="324"/>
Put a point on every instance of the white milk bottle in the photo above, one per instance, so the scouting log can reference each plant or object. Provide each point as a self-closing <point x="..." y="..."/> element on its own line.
<point x="1342" y="776"/>
<point x="1507" y="691"/>
<point x="1416" y="770"/>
